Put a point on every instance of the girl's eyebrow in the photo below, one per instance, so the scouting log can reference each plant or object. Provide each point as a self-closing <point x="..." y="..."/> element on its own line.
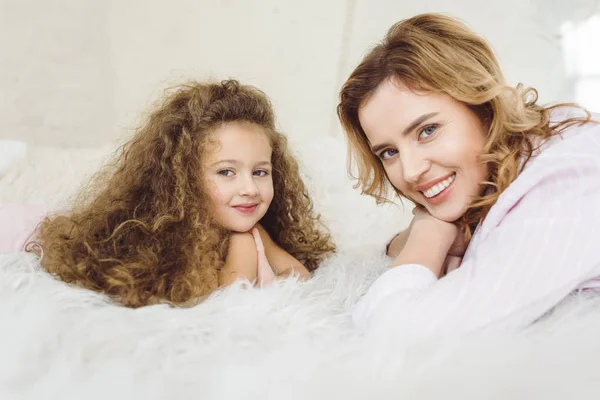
<point x="225" y="162"/>
<point x="238" y="162"/>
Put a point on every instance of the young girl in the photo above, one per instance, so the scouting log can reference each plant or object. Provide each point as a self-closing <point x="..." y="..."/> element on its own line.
<point x="429" y="113"/>
<point x="170" y="219"/>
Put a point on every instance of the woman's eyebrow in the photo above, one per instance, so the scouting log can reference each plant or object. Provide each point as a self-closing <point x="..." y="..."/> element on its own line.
<point x="407" y="130"/>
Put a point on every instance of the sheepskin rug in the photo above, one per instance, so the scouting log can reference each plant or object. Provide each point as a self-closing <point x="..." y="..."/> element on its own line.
<point x="289" y="340"/>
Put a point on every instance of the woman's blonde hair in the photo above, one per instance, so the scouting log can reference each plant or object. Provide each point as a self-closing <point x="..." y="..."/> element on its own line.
<point x="433" y="53"/>
<point x="142" y="232"/>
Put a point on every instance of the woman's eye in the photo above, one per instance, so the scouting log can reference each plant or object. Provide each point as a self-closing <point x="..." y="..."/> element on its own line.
<point x="225" y="172"/>
<point x="427" y="131"/>
<point x="261" y="172"/>
<point x="385" y="154"/>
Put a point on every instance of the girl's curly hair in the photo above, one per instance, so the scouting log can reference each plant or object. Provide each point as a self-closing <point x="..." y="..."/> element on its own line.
<point x="142" y="232"/>
<point x="433" y="53"/>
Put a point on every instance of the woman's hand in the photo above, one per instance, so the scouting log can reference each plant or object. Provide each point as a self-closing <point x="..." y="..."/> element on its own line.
<point x="429" y="242"/>
<point x="459" y="246"/>
<point x="422" y="216"/>
<point x="396" y="245"/>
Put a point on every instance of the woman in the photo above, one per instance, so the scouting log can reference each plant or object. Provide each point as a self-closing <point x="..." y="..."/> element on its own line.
<point x="428" y="111"/>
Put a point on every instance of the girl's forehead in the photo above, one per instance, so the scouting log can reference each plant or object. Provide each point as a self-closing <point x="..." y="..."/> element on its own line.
<point x="232" y="131"/>
<point x="238" y="141"/>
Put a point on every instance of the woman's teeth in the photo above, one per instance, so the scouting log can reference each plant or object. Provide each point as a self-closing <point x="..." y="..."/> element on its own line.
<point x="437" y="188"/>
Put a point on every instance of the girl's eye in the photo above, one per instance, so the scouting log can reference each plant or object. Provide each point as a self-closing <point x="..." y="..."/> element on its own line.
<point x="225" y="172"/>
<point x="261" y="172"/>
<point x="427" y="131"/>
<point x="386" y="154"/>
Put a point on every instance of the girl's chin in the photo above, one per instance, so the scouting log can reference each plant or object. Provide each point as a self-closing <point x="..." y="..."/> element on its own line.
<point x="241" y="228"/>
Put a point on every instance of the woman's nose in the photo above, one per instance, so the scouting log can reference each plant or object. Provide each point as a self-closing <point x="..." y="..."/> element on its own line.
<point x="414" y="166"/>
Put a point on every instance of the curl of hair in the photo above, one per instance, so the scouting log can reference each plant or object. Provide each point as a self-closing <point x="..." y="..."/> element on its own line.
<point x="434" y="53"/>
<point x="142" y="231"/>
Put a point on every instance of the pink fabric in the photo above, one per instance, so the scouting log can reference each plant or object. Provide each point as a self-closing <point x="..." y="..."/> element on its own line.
<point x="17" y="222"/>
<point x="538" y="244"/>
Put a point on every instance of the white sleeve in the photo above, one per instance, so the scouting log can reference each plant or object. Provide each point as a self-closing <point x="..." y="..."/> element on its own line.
<point x="544" y="248"/>
<point x="403" y="280"/>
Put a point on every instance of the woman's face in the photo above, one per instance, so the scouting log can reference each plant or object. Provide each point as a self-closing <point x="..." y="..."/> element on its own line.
<point x="429" y="146"/>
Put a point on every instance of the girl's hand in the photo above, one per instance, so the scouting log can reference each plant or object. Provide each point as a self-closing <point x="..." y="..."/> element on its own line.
<point x="265" y="273"/>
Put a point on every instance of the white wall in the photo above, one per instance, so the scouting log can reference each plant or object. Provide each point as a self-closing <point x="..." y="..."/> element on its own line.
<point x="77" y="73"/>
<point x="288" y="49"/>
<point x="56" y="72"/>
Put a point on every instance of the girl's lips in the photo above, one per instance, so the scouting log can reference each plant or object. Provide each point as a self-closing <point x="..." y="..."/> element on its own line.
<point x="246" y="209"/>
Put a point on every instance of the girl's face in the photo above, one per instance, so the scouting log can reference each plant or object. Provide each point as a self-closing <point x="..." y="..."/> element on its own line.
<point x="428" y="145"/>
<point x="238" y="175"/>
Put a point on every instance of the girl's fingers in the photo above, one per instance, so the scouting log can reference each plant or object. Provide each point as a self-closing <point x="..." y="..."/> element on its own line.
<point x="265" y="273"/>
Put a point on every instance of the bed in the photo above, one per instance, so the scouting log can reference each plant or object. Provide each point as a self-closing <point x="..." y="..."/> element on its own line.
<point x="290" y="340"/>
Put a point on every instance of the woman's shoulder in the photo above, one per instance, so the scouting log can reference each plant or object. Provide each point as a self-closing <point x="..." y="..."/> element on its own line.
<point x="584" y="131"/>
<point x="572" y="155"/>
<point x="577" y="142"/>
<point x="566" y="168"/>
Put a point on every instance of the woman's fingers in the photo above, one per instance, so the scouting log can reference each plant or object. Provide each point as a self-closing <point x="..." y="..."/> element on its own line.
<point x="419" y="209"/>
<point x="451" y="263"/>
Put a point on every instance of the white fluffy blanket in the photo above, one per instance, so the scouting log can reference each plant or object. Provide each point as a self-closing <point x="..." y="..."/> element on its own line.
<point x="287" y="341"/>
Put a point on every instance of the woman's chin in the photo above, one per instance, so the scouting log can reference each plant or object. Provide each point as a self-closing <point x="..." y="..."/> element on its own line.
<point x="447" y="214"/>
